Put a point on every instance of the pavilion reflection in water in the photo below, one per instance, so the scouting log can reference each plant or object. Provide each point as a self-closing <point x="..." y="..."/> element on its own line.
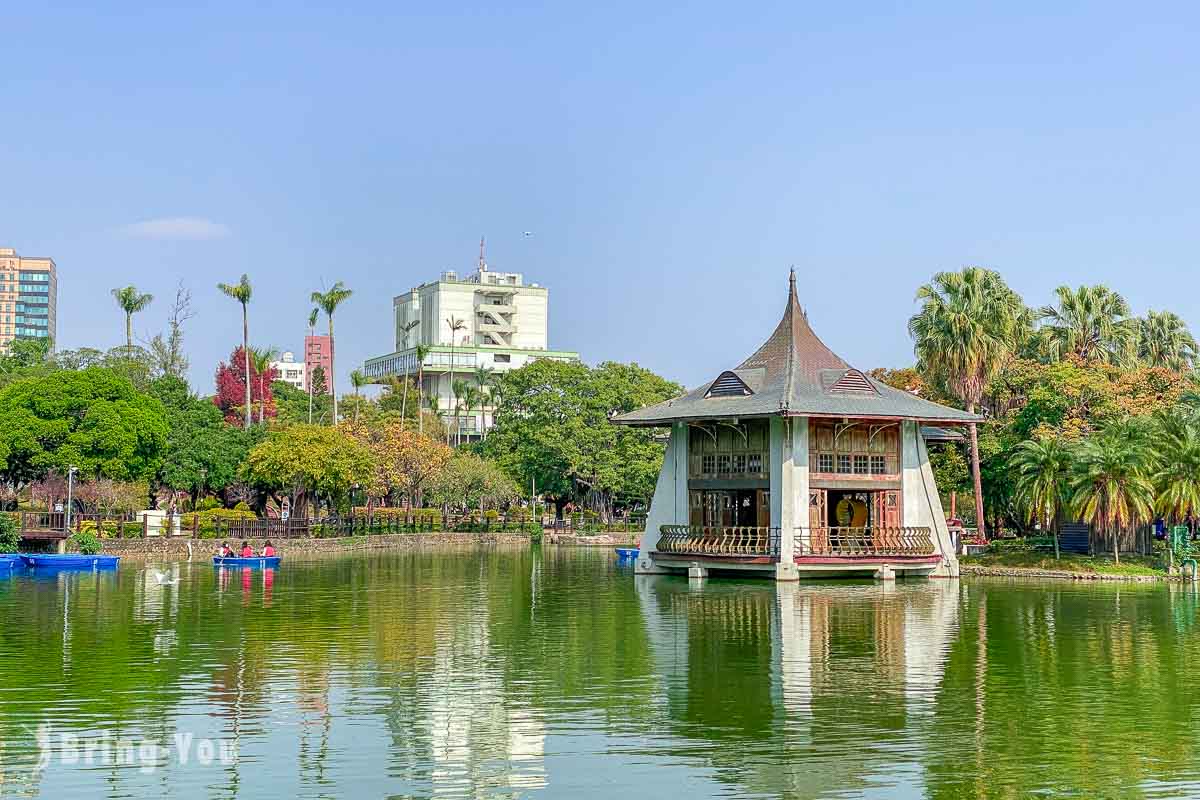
<point x="798" y="690"/>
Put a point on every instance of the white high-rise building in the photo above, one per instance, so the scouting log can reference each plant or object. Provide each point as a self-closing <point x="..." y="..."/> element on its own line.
<point x="488" y="319"/>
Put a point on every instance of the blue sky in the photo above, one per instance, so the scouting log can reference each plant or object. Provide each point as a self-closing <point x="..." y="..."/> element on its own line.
<point x="672" y="162"/>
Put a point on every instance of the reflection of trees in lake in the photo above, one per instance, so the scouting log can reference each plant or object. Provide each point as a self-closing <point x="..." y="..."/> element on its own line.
<point x="1057" y="688"/>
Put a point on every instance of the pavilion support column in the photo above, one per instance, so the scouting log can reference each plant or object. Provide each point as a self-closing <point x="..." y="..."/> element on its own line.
<point x="784" y="432"/>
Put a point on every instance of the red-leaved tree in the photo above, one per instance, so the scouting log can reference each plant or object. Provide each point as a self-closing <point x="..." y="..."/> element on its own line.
<point x="231" y="388"/>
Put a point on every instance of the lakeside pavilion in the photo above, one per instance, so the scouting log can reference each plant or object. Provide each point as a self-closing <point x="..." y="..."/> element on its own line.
<point x="794" y="464"/>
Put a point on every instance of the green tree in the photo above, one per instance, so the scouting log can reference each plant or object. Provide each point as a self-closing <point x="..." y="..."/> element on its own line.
<point x="312" y="327"/>
<point x="308" y="462"/>
<point x="242" y="291"/>
<point x="1110" y="485"/>
<point x="455" y="325"/>
<point x="293" y="406"/>
<point x="320" y="388"/>
<point x="131" y="302"/>
<point x="551" y="427"/>
<point x="357" y="380"/>
<point x="969" y="325"/>
<point x="420" y="353"/>
<point x="329" y="302"/>
<point x="1043" y="476"/>
<point x="203" y="453"/>
<point x="484" y="378"/>
<point x="261" y="358"/>
<point x="1091" y="323"/>
<point x="1165" y="341"/>
<point x="93" y="419"/>
<point x="1176" y="477"/>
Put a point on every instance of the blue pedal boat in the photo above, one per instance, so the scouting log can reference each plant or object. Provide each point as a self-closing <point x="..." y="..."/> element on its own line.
<point x="261" y="562"/>
<point x="69" y="561"/>
<point x="10" y="560"/>
<point x="624" y="553"/>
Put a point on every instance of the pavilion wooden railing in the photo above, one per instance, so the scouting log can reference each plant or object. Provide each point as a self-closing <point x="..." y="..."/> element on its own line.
<point x="724" y="541"/>
<point x="834" y="541"/>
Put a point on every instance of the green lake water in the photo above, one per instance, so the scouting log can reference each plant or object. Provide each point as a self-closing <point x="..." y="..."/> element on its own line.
<point x="557" y="673"/>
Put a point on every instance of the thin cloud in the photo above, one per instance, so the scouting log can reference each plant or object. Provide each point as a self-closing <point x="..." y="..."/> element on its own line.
<point x="196" y="228"/>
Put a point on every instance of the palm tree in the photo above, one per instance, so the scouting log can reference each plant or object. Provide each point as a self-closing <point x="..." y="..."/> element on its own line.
<point x="420" y="353"/>
<point x="456" y="325"/>
<point x="1091" y="322"/>
<point x="262" y="358"/>
<point x="357" y="380"/>
<point x="483" y="381"/>
<point x="1110" y="487"/>
<point x="459" y="390"/>
<point x="131" y="302"/>
<point x="1165" y="341"/>
<point x="1177" y="476"/>
<point x="470" y="397"/>
<point x="312" y="330"/>
<point x="328" y="302"/>
<point x="407" y="328"/>
<point x="1043" y="471"/>
<point x="967" y="328"/>
<point x="241" y="292"/>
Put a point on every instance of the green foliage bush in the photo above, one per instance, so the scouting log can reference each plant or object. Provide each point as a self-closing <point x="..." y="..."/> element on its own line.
<point x="207" y="504"/>
<point x="86" y="543"/>
<point x="111" y="529"/>
<point x="208" y="520"/>
<point x="10" y="533"/>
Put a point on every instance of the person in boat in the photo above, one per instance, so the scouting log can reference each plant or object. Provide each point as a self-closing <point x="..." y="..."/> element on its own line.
<point x="247" y="550"/>
<point x="268" y="550"/>
<point x="226" y="550"/>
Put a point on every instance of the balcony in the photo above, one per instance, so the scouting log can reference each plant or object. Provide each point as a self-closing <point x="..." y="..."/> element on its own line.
<point x="735" y="542"/>
<point x="866" y="543"/>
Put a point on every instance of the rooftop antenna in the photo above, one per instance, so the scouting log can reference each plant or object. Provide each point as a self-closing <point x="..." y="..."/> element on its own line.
<point x="482" y="262"/>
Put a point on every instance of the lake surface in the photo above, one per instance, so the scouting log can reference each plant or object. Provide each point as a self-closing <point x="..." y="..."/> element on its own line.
<point x="557" y="673"/>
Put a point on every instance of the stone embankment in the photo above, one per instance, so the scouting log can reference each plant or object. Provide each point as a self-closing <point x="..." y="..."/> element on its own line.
<point x="973" y="570"/>
<point x="178" y="545"/>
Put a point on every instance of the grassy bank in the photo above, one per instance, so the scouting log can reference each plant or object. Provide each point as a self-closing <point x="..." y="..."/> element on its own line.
<point x="1036" y="561"/>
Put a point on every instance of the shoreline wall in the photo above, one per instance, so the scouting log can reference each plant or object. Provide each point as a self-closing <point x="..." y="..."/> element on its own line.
<point x="178" y="545"/>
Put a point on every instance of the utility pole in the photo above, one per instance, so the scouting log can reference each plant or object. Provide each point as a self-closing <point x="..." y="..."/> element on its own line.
<point x="70" y="491"/>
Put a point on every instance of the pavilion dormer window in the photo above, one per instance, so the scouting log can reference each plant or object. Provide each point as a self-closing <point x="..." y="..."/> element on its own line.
<point x="728" y="384"/>
<point x="853" y="381"/>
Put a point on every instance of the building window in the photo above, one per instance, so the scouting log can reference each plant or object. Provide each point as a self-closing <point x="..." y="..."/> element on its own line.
<point x="502" y="358"/>
<point x="754" y="462"/>
<point x="843" y="463"/>
<point x="739" y="463"/>
<point x="708" y="464"/>
<point x="723" y="461"/>
<point x="825" y="462"/>
<point x="878" y="465"/>
<point x="860" y="465"/>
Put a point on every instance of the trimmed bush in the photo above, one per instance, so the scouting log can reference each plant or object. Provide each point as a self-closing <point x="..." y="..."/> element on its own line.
<point x="10" y="533"/>
<point x="86" y="542"/>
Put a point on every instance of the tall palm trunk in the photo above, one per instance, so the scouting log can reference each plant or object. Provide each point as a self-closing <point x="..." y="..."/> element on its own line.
<point x="128" y="329"/>
<point x="404" y="402"/>
<point x="975" y="476"/>
<point x="332" y="373"/>
<point x="420" y="391"/>
<point x="453" y="399"/>
<point x="246" y="358"/>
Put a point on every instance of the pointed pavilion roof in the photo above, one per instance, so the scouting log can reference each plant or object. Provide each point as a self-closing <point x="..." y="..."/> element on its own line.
<point x="793" y="373"/>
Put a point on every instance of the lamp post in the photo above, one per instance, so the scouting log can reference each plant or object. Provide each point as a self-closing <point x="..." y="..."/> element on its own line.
<point x="70" y="491"/>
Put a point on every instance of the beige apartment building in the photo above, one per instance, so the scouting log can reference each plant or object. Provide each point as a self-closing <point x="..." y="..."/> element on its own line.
<point x="28" y="297"/>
